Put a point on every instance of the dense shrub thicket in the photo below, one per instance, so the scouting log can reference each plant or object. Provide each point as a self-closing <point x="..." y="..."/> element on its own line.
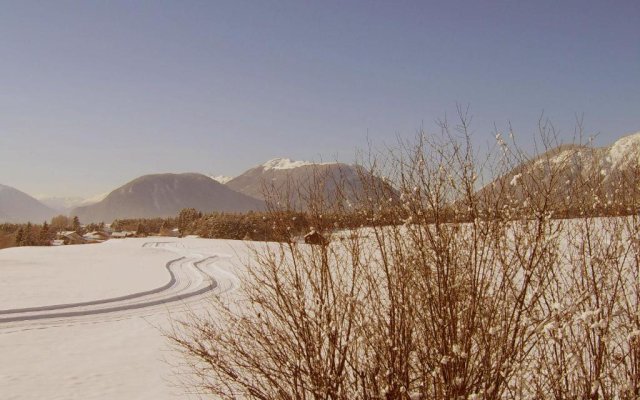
<point x="474" y="295"/>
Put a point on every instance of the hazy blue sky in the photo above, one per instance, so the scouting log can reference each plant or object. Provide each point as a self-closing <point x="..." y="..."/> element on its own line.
<point x="96" y="93"/>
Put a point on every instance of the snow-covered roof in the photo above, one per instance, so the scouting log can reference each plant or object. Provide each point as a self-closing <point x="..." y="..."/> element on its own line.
<point x="71" y="235"/>
<point x="122" y="234"/>
<point x="96" y="235"/>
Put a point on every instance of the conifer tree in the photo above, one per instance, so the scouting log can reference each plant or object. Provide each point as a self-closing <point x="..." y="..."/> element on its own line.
<point x="43" y="237"/>
<point x="20" y="237"/>
<point x="141" y="231"/>
<point x="186" y="217"/>
<point x="76" y="225"/>
<point x="28" y="235"/>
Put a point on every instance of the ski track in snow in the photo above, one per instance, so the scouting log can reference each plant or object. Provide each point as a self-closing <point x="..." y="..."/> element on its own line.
<point x="192" y="275"/>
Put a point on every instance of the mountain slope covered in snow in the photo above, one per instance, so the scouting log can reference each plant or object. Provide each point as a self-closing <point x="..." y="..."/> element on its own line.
<point x="578" y="176"/>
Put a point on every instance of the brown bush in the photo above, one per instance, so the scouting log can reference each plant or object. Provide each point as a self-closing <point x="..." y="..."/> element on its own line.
<point x="449" y="292"/>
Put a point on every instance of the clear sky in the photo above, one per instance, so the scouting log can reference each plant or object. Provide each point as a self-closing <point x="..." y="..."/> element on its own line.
<point x="96" y="93"/>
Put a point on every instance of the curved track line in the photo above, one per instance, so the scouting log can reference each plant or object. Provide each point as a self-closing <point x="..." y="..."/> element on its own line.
<point x="164" y="287"/>
<point x="125" y="307"/>
<point x="202" y="281"/>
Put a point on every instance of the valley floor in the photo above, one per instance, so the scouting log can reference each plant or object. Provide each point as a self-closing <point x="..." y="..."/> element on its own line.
<point x="86" y="322"/>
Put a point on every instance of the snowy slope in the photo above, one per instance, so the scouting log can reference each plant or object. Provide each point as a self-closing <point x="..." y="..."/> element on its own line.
<point x="620" y="157"/>
<point x="624" y="154"/>
<point x="221" y="178"/>
<point x="119" y="353"/>
<point x="90" y="266"/>
<point x="286" y="163"/>
<point x="581" y="175"/>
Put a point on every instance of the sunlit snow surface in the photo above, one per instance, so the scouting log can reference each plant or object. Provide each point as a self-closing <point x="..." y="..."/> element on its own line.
<point x="625" y="151"/>
<point x="84" y="322"/>
<point x="285" y="163"/>
<point x="221" y="178"/>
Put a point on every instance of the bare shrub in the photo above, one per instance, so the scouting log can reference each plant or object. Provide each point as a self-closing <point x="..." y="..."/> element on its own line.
<point x="450" y="288"/>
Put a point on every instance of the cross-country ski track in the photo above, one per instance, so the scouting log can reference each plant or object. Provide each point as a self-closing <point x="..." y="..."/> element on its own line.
<point x="188" y="278"/>
<point x="87" y="321"/>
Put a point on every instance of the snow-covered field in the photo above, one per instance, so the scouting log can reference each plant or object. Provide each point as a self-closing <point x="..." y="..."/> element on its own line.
<point x="85" y="322"/>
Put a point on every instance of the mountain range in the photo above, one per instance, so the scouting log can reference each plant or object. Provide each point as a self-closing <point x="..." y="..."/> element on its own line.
<point x="577" y="176"/>
<point x="164" y="195"/>
<point x="65" y="204"/>
<point x="293" y="182"/>
<point x="17" y="206"/>
<point x="281" y="179"/>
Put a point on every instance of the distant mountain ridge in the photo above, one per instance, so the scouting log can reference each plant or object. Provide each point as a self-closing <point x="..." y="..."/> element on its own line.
<point x="597" y="177"/>
<point x="164" y="195"/>
<point x="66" y="204"/>
<point x="281" y="177"/>
<point x="60" y="204"/>
<point x="19" y="207"/>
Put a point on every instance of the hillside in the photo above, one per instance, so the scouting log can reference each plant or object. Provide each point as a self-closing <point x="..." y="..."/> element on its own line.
<point x="164" y="195"/>
<point x="17" y="207"/>
<point x="281" y="176"/>
<point x="577" y="176"/>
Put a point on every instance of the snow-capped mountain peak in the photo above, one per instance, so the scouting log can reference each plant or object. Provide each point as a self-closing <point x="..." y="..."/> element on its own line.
<point x="625" y="151"/>
<point x="65" y="204"/>
<point x="286" y="163"/>
<point x="221" y="178"/>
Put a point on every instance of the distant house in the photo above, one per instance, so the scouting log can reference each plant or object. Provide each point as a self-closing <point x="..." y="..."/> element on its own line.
<point x="314" y="237"/>
<point x="170" y="232"/>
<point x="122" y="234"/>
<point x="96" y="236"/>
<point x="70" y="237"/>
